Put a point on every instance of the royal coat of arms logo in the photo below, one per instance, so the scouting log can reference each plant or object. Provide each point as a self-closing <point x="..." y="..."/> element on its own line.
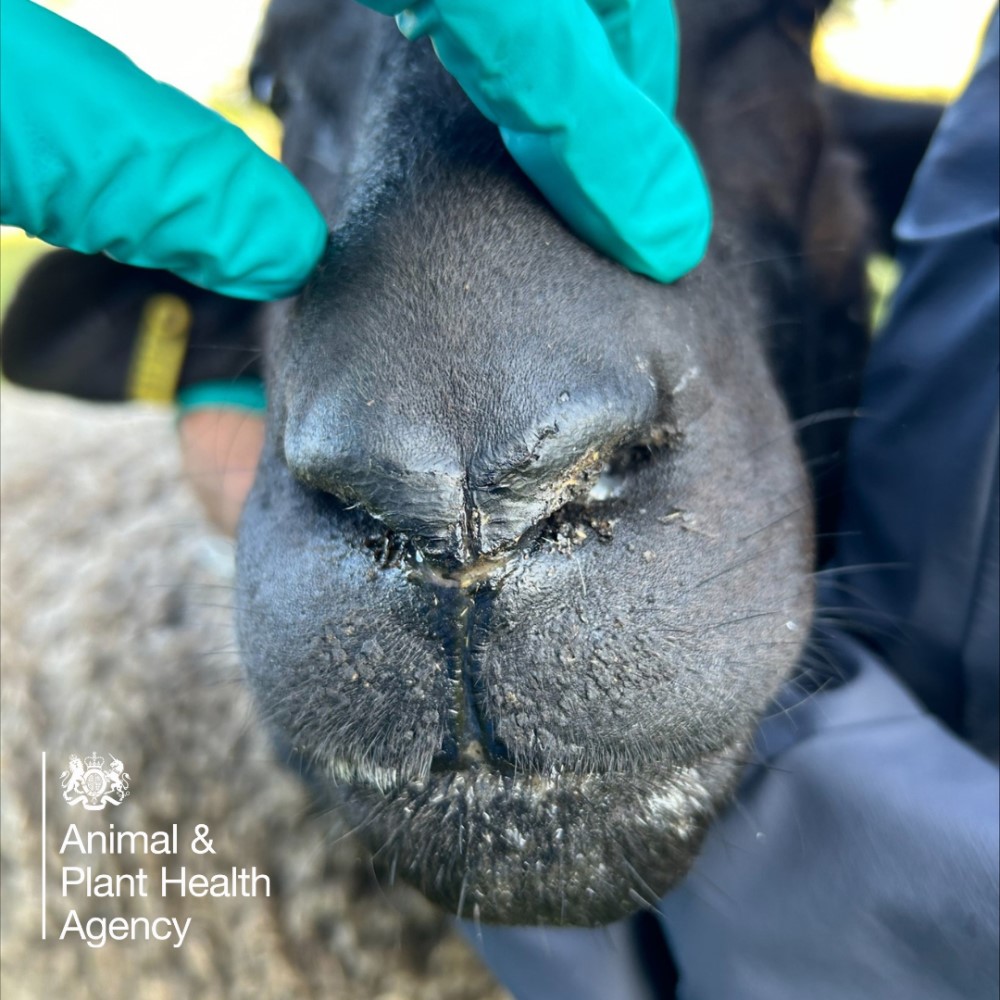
<point x="90" y="784"/>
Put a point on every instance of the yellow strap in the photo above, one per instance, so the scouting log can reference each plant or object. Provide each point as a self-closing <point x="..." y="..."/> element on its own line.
<point x="159" y="350"/>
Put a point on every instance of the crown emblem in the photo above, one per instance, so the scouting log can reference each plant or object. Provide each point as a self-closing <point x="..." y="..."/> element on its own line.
<point x="89" y="783"/>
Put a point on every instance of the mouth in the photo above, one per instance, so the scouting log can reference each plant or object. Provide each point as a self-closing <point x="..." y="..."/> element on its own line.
<point x="561" y="848"/>
<point x="540" y="735"/>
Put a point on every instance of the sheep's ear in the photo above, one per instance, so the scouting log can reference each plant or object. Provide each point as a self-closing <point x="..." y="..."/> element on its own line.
<point x="90" y="327"/>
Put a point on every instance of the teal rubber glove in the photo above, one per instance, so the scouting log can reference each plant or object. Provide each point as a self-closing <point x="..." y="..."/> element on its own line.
<point x="584" y="94"/>
<point x="97" y="156"/>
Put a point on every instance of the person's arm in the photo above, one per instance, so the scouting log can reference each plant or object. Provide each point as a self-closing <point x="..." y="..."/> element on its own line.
<point x="861" y="861"/>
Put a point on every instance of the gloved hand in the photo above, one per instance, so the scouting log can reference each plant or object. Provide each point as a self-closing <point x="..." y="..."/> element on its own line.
<point x="97" y="156"/>
<point x="584" y="95"/>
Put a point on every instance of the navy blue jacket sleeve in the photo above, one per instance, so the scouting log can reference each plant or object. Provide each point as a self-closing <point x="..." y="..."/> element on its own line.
<point x="861" y="861"/>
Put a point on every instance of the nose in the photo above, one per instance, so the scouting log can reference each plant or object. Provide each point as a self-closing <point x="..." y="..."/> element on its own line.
<point x="471" y="482"/>
<point x="408" y="477"/>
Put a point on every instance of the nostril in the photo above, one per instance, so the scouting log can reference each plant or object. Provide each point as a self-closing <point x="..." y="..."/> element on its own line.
<point x="514" y="501"/>
<point x="409" y="482"/>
